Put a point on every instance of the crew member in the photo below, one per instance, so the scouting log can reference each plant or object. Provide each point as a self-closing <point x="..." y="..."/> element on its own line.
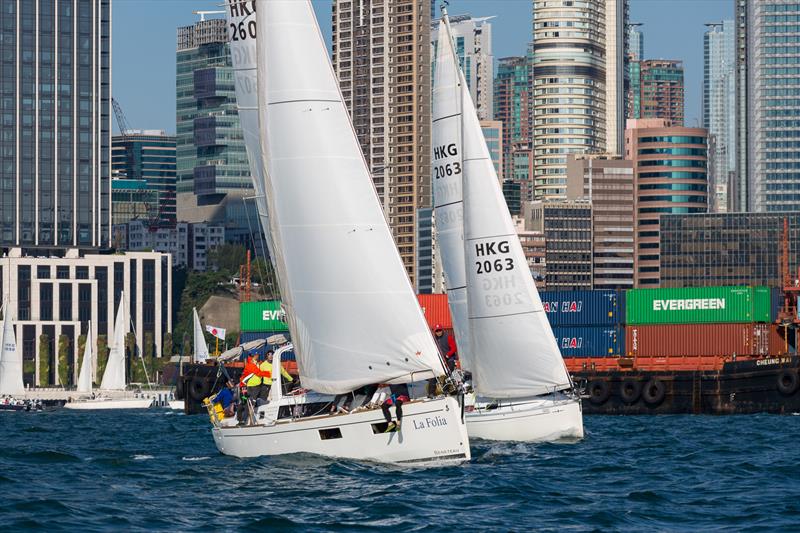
<point x="251" y="377"/>
<point x="266" y="373"/>
<point x="398" y="395"/>
<point x="225" y="398"/>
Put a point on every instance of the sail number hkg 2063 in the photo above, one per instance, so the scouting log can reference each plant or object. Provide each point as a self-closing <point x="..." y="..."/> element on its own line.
<point x="496" y="265"/>
<point x="445" y="169"/>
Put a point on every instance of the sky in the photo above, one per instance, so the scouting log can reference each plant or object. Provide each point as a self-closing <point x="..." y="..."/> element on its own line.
<point x="143" y="44"/>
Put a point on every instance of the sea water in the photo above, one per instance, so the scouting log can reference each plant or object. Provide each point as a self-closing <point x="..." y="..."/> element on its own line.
<point x="159" y="470"/>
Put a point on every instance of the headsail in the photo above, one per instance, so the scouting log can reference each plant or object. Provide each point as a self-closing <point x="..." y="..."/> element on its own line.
<point x="447" y="169"/>
<point x="114" y="375"/>
<point x="10" y="359"/>
<point x="87" y="366"/>
<point x="351" y="309"/>
<point x="198" y="339"/>
<point x="514" y="352"/>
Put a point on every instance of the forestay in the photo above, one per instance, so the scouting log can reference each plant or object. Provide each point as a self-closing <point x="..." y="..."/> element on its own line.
<point x="515" y="352"/>
<point x="10" y="359"/>
<point x="352" y="312"/>
<point x="87" y="365"/>
<point x="446" y="176"/>
<point x="114" y="375"/>
<point x="199" y="339"/>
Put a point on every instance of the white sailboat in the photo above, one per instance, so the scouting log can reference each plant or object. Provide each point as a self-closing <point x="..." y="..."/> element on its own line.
<point x="523" y="388"/>
<point x="112" y="387"/>
<point x="350" y="306"/>
<point x="10" y="360"/>
<point x="87" y="365"/>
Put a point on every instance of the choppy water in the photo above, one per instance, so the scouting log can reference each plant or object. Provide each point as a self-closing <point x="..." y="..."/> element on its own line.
<point x="159" y="470"/>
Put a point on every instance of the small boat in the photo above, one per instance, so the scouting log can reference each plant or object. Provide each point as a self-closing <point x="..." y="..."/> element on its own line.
<point x="504" y="339"/>
<point x="11" y="383"/>
<point x="112" y="393"/>
<point x="351" y="310"/>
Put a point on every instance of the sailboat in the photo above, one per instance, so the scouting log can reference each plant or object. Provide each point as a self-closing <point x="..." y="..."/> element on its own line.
<point x="199" y="354"/>
<point x="113" y="383"/>
<point x="524" y="392"/>
<point x="11" y="384"/>
<point x="349" y="303"/>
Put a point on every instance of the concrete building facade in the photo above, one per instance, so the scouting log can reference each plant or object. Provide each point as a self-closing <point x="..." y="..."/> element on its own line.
<point x="61" y="295"/>
<point x="382" y="57"/>
<point x="189" y="243"/>
<point x="670" y="165"/>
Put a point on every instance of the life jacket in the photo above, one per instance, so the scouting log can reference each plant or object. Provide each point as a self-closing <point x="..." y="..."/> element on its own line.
<point x="251" y="376"/>
<point x="266" y="372"/>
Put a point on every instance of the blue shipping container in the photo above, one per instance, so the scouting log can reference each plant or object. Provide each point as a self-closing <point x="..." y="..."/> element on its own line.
<point x="584" y="308"/>
<point x="776" y="295"/>
<point x="247" y="336"/>
<point x="590" y="341"/>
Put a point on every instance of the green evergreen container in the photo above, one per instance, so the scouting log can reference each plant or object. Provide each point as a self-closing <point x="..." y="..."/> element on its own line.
<point x="261" y="316"/>
<point x="697" y="305"/>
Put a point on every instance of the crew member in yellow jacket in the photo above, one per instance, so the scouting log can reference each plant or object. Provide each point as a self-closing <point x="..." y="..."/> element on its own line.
<point x="266" y="375"/>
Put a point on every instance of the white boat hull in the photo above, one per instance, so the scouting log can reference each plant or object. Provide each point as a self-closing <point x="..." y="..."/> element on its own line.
<point x="539" y="419"/>
<point x="102" y="403"/>
<point x="433" y="432"/>
<point x="178" y="405"/>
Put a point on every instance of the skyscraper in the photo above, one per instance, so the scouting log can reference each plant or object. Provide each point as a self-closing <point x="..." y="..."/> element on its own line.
<point x="213" y="174"/>
<point x="512" y="107"/>
<point x="657" y="90"/>
<point x="473" y="45"/>
<point x="578" y="85"/>
<point x="719" y="108"/>
<point x="148" y="156"/>
<point x="54" y="110"/>
<point x="635" y="42"/>
<point x="768" y="105"/>
<point x="382" y="56"/>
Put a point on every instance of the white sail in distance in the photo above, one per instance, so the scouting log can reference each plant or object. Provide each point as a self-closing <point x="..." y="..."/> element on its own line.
<point x="114" y="375"/>
<point x="10" y="358"/>
<point x="351" y="309"/>
<point x="87" y="365"/>
<point x="447" y="169"/>
<point x="514" y="351"/>
<point x="198" y="339"/>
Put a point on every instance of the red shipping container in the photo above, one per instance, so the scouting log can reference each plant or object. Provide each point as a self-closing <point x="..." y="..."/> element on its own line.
<point x="687" y="340"/>
<point x="436" y="310"/>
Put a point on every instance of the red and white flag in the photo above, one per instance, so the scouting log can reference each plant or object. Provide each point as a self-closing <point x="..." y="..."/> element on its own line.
<point x="217" y="332"/>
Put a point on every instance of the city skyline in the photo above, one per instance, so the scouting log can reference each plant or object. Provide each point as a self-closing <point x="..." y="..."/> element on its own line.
<point x="146" y="88"/>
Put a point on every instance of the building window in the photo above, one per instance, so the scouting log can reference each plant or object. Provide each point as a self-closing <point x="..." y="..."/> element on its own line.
<point x="45" y="301"/>
<point x="84" y="302"/>
<point x="101" y="275"/>
<point x="42" y="272"/>
<point x="82" y="272"/>
<point x="24" y="292"/>
<point x="65" y="301"/>
<point x="62" y="272"/>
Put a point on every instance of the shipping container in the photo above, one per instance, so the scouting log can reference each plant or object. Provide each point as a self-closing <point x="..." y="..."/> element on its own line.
<point x="436" y="310"/>
<point x="696" y="340"/>
<point x="590" y="341"/>
<point x="584" y="308"/>
<point x="777" y="303"/>
<point x="262" y="316"/>
<point x="697" y="305"/>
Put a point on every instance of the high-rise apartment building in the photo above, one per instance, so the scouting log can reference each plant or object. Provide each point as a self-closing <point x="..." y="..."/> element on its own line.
<point x="670" y="165"/>
<point x="148" y="156"/>
<point x="512" y="107"/>
<point x="607" y="182"/>
<point x="578" y="85"/>
<point x="473" y="45"/>
<point x="55" y="95"/>
<point x="657" y="90"/>
<point x="213" y="174"/>
<point x="768" y="104"/>
<point x="382" y="56"/>
<point x="719" y="109"/>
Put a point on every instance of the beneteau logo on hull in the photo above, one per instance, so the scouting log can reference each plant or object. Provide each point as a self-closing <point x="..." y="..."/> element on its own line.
<point x="690" y="304"/>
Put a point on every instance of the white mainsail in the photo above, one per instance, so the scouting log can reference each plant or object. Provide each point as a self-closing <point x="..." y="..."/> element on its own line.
<point x="114" y="375"/>
<point x="87" y="365"/>
<point x="446" y="177"/>
<point x="242" y="42"/>
<point x="514" y="352"/>
<point x="10" y="359"/>
<point x="198" y="339"/>
<point x="352" y="312"/>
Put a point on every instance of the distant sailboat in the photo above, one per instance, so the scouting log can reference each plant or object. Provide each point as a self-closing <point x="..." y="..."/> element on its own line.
<point x="506" y="340"/>
<point x="114" y="376"/>
<point x="87" y="366"/>
<point x="199" y="345"/>
<point x="350" y="307"/>
<point x="10" y="359"/>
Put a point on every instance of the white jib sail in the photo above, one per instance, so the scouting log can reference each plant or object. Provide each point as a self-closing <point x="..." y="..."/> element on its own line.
<point x="352" y="312"/>
<point x="514" y="351"/>
<point x="446" y="172"/>
<point x="198" y="339"/>
<point x="87" y="365"/>
<point x="242" y="28"/>
<point x="114" y="375"/>
<point x="10" y="359"/>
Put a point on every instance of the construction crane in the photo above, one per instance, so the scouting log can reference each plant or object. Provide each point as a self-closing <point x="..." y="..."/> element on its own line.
<point x="204" y="13"/>
<point x="122" y="122"/>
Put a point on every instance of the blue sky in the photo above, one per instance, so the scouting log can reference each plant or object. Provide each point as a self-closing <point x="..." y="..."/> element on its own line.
<point x="144" y="44"/>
